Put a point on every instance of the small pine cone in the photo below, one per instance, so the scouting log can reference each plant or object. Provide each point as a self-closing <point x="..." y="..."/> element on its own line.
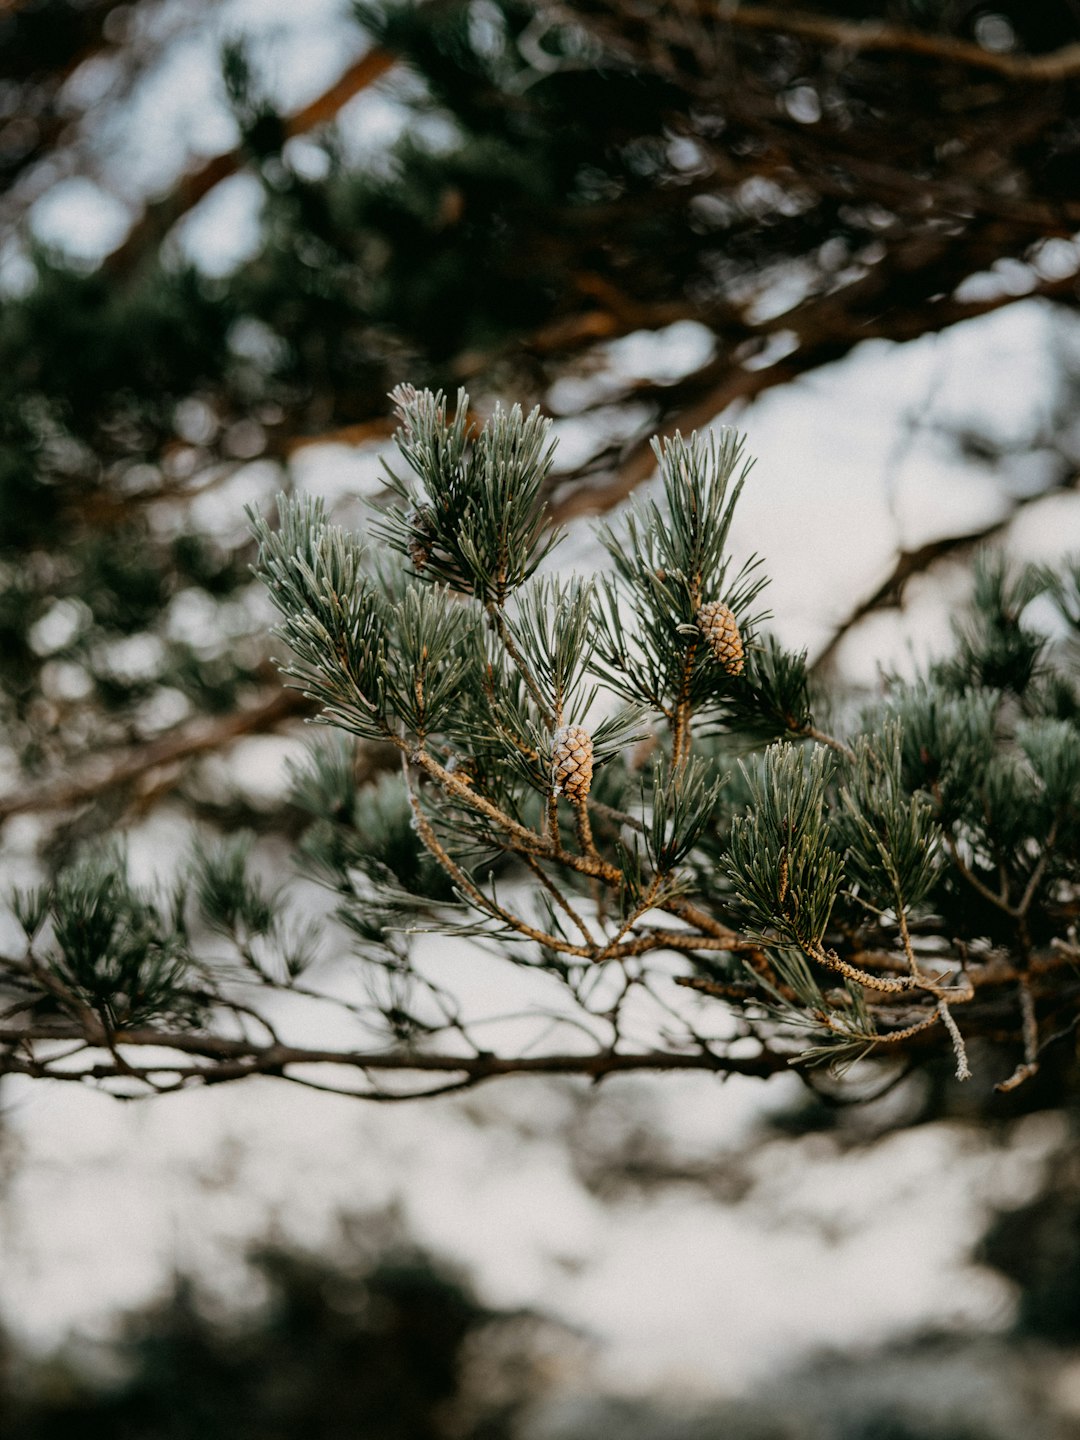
<point x="721" y="632"/>
<point x="571" y="762"/>
<point x="421" y="519"/>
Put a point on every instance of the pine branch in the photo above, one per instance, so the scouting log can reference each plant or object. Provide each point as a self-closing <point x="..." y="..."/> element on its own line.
<point x="813" y="896"/>
<point x="231" y="1060"/>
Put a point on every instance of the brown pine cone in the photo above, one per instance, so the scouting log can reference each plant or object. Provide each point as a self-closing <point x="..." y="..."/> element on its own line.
<point x="718" y="625"/>
<point x="421" y="519"/>
<point x="571" y="762"/>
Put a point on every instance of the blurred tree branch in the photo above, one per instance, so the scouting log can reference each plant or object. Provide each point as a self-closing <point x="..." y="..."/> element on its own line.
<point x="870" y="36"/>
<point x="109" y="772"/>
<point x="161" y="215"/>
<point x="599" y="171"/>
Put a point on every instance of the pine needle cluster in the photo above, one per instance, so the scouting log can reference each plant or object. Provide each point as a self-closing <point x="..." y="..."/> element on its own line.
<point x="593" y="791"/>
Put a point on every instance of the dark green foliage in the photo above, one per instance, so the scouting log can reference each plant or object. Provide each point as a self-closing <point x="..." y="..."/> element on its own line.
<point x="230" y="899"/>
<point x="680" y="805"/>
<point x="891" y="841"/>
<point x="314" y="572"/>
<point x="1037" y="1247"/>
<point x="110" y="948"/>
<point x="781" y="859"/>
<point x="772" y="697"/>
<point x="671" y="561"/>
<point x="316" y="576"/>
<point x="999" y="765"/>
<point x="945" y="739"/>
<point x="475" y="522"/>
<point x="374" y="1342"/>
<point x="554" y="625"/>
<point x="111" y="956"/>
<point x="261" y="127"/>
<point x="996" y="650"/>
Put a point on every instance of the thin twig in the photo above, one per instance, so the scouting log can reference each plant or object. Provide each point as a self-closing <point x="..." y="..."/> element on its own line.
<point x="560" y="899"/>
<point x="812" y="733"/>
<point x="963" y="1069"/>
<point x="482" y="901"/>
<point x="873" y="36"/>
<point x="238" y="1059"/>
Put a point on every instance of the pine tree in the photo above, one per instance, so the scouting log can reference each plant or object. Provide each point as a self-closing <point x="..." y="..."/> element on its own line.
<point x="590" y="789"/>
<point x="600" y="170"/>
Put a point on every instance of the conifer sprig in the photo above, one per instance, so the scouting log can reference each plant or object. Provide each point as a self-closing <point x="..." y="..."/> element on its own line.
<point x="843" y="894"/>
<point x="670" y="562"/>
<point x="472" y="516"/>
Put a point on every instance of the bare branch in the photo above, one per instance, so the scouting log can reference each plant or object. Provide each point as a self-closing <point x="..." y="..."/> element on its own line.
<point x="869" y="37"/>
<point x="231" y="1060"/>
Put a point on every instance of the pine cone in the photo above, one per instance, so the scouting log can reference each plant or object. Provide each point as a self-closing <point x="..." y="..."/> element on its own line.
<point x="721" y="632"/>
<point x="422" y="521"/>
<point x="571" y="762"/>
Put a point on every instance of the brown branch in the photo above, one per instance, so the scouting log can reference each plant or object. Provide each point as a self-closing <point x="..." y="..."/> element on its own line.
<point x="693" y="915"/>
<point x="870" y="37"/>
<point x="858" y="37"/>
<point x="680" y="727"/>
<point x="160" y="216"/>
<point x="239" y="1059"/>
<point x="1030" y="1032"/>
<point x="890" y="593"/>
<point x="561" y="901"/>
<point x="107" y="772"/>
<point x="821" y="737"/>
<point x="484" y="903"/>
<point x="521" y="840"/>
<point x="822" y="346"/>
<point x="814" y="950"/>
<point x="362" y="432"/>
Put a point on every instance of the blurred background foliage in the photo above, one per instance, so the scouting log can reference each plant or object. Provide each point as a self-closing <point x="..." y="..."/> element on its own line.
<point x="557" y="178"/>
<point x="380" y="1340"/>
